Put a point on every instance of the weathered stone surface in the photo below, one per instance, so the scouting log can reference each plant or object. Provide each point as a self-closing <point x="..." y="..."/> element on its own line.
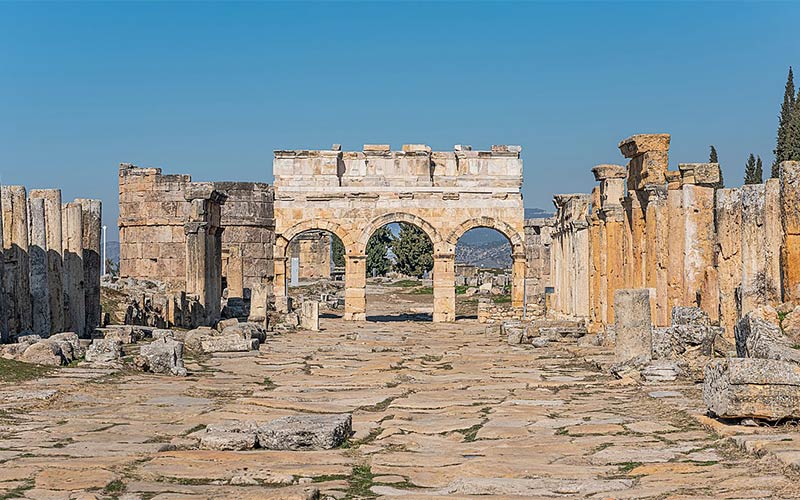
<point x="305" y="432"/>
<point x="39" y="281"/>
<point x="227" y="343"/>
<point x="758" y="338"/>
<point x="753" y="388"/>
<point x="227" y="441"/>
<point x="43" y="353"/>
<point x="309" y="315"/>
<point x="225" y="323"/>
<point x="71" y="347"/>
<point x="104" y="351"/>
<point x="161" y="356"/>
<point x="632" y="324"/>
<point x="689" y="316"/>
<point x="661" y="371"/>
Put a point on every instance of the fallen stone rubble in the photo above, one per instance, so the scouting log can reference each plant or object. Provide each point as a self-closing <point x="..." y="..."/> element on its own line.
<point x="295" y="433"/>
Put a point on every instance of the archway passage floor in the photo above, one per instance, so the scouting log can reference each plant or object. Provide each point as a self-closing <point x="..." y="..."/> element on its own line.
<point x="439" y="410"/>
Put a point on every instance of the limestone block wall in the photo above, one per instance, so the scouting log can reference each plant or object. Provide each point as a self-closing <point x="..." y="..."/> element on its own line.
<point x="538" y="242"/>
<point x="570" y="256"/>
<point x="169" y="225"/>
<point x="680" y="235"/>
<point x="313" y="251"/>
<point x="445" y="193"/>
<point x="50" y="270"/>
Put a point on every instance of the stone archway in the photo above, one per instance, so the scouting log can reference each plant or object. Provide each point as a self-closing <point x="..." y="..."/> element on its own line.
<point x="517" y="241"/>
<point x="351" y="194"/>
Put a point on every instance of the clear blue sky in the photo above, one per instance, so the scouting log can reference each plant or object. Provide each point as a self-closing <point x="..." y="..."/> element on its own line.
<point x="211" y="89"/>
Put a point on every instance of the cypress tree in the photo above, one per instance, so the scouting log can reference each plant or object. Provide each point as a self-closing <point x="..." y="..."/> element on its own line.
<point x="784" y="148"/>
<point x="413" y="250"/>
<point x="750" y="170"/>
<point x="377" y="249"/>
<point x="758" y="175"/>
<point x="712" y="158"/>
<point x="793" y="133"/>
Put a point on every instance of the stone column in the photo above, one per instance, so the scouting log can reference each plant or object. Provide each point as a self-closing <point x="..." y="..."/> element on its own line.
<point x="699" y="181"/>
<point x="657" y="236"/>
<point x="612" y="189"/>
<point x="204" y="249"/>
<point x="518" y="264"/>
<point x="40" y="288"/>
<point x="675" y="241"/>
<point x="92" y="240"/>
<point x="279" y="280"/>
<point x="754" y="271"/>
<point x="773" y="236"/>
<point x="581" y="266"/>
<point x="15" y="245"/>
<point x="74" y="293"/>
<point x="649" y="161"/>
<point x="55" y="254"/>
<point x="4" y="335"/>
<point x="597" y="272"/>
<point x="235" y="277"/>
<point x="790" y="215"/>
<point x="444" y="291"/>
<point x="355" y="287"/>
<point x="728" y="215"/>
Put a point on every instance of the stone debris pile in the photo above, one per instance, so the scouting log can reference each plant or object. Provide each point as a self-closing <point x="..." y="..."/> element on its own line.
<point x="229" y="336"/>
<point x="763" y="381"/>
<point x="295" y="433"/>
<point x="57" y="350"/>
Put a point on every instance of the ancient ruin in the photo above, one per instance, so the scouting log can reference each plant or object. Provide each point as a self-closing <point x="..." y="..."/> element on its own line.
<point x="352" y="194"/>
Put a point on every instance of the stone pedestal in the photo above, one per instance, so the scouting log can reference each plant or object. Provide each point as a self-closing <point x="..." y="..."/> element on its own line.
<point x="40" y="290"/>
<point x="444" y="291"/>
<point x="632" y="319"/>
<point x="355" y="288"/>
<point x="309" y="315"/>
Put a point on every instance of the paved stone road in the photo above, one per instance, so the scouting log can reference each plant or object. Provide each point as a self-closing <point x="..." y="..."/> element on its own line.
<point x="439" y="412"/>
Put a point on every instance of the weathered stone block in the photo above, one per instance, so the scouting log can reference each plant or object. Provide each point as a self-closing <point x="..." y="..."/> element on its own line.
<point x="758" y="338"/>
<point x="104" y="351"/>
<point x="161" y="356"/>
<point x="752" y="388"/>
<point x="632" y="323"/>
<point x="305" y="432"/>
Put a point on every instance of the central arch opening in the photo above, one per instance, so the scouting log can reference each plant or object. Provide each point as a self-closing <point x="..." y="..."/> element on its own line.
<point x="483" y="271"/>
<point x="399" y="273"/>
<point x="315" y="269"/>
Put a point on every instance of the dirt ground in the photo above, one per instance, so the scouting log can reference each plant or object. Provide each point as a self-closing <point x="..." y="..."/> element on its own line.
<point x="439" y="411"/>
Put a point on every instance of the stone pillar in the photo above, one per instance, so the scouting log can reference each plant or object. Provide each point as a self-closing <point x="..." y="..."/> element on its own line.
<point x="699" y="182"/>
<point x="790" y="215"/>
<point x="355" y="287"/>
<point x="635" y="234"/>
<point x="15" y="245"/>
<point x="580" y="239"/>
<point x="611" y="214"/>
<point x="632" y="318"/>
<point x="74" y="293"/>
<point x="657" y="236"/>
<point x="279" y="280"/>
<point x="597" y="271"/>
<point x="92" y="259"/>
<point x="204" y="249"/>
<point x="699" y="239"/>
<point x="55" y="254"/>
<point x="444" y="291"/>
<point x="518" y="264"/>
<point x="675" y="241"/>
<point x="728" y="216"/>
<point x="753" y="291"/>
<point x="40" y="288"/>
<point x="773" y="236"/>
<point x="4" y="334"/>
<point x="235" y="276"/>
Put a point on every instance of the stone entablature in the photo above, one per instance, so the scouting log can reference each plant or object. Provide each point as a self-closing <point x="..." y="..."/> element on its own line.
<point x="352" y="194"/>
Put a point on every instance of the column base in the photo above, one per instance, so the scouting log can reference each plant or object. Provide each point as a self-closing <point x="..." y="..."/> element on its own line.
<point x="355" y="316"/>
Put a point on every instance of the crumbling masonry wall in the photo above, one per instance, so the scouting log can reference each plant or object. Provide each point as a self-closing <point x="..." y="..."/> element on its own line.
<point x="175" y="231"/>
<point x="313" y="252"/>
<point x="677" y="233"/>
<point x="538" y="243"/>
